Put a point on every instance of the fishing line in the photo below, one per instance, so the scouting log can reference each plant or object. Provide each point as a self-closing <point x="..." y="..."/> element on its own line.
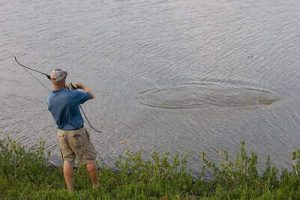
<point x="48" y="76"/>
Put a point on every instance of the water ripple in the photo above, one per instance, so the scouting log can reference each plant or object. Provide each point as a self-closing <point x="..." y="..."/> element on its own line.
<point x="192" y="95"/>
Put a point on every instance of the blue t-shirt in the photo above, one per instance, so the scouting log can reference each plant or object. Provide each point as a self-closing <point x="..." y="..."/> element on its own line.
<point x="64" y="107"/>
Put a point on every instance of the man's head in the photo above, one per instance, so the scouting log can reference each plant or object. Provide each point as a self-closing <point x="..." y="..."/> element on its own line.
<point x="58" y="78"/>
<point x="58" y="75"/>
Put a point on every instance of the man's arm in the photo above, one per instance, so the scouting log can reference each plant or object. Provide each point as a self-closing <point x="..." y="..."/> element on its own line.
<point x="84" y="88"/>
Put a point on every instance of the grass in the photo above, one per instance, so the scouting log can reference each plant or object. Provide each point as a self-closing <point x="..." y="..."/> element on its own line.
<point x="25" y="174"/>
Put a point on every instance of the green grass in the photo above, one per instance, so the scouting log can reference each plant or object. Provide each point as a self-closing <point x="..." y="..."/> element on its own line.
<point x="25" y="174"/>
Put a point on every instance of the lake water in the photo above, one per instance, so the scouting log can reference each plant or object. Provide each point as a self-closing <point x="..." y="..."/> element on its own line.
<point x="181" y="76"/>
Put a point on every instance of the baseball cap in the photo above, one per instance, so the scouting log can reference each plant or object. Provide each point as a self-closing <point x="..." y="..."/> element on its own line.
<point x="58" y="74"/>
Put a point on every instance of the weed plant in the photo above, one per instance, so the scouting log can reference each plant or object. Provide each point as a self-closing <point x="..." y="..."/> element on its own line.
<point x="26" y="174"/>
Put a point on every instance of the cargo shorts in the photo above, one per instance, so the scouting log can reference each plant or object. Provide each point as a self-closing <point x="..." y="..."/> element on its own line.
<point x="76" y="144"/>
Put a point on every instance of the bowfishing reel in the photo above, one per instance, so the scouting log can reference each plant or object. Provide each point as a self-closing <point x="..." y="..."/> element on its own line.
<point x="72" y="86"/>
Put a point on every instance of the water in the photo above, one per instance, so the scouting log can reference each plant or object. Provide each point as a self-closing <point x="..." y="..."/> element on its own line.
<point x="181" y="76"/>
<point x="195" y="95"/>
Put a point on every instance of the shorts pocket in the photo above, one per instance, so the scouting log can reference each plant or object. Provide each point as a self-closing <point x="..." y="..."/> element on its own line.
<point x="76" y="140"/>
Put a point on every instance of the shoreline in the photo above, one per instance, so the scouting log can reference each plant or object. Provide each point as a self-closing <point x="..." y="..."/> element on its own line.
<point x="159" y="177"/>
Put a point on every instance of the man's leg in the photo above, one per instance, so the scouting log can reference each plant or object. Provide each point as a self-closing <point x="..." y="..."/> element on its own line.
<point x="93" y="173"/>
<point x="68" y="175"/>
<point x="68" y="157"/>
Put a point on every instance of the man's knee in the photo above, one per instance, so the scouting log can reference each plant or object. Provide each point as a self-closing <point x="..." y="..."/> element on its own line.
<point x="69" y="163"/>
<point x="91" y="167"/>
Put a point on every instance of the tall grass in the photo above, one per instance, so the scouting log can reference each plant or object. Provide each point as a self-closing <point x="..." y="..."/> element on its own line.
<point x="25" y="174"/>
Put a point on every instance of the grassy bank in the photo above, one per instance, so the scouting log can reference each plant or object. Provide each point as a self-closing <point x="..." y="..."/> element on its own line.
<point x="25" y="174"/>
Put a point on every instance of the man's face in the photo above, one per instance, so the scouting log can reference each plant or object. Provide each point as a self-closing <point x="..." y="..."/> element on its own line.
<point x="61" y="83"/>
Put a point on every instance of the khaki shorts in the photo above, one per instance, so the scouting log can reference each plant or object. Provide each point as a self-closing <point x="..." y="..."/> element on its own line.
<point x="76" y="144"/>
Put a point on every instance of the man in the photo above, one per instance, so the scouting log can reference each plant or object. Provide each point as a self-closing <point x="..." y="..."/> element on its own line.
<point x="74" y="140"/>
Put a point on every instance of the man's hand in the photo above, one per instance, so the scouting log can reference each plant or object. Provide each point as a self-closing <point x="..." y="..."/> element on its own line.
<point x="84" y="88"/>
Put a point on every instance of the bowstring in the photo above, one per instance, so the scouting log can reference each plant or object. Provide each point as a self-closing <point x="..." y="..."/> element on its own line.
<point x="37" y="79"/>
